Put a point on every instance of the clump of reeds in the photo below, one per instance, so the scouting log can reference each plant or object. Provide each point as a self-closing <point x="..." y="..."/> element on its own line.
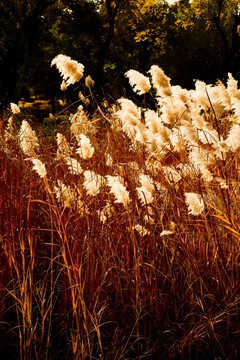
<point x="120" y="232"/>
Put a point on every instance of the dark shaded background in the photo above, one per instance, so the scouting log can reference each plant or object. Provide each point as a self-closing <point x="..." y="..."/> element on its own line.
<point x="110" y="37"/>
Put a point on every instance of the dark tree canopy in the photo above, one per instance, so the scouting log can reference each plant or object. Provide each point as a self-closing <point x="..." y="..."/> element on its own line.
<point x="189" y="40"/>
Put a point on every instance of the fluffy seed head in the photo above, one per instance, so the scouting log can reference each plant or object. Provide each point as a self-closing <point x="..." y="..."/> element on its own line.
<point x="145" y="196"/>
<point x="28" y="139"/>
<point x="39" y="167"/>
<point x="138" y="81"/>
<point x="85" y="150"/>
<point x="160" y="81"/>
<point x="89" y="82"/>
<point x="70" y="70"/>
<point x="92" y="183"/>
<point x="118" y="190"/>
<point x="141" y="230"/>
<point x="195" y="203"/>
<point x="15" y="109"/>
<point x="233" y="139"/>
<point x="64" y="149"/>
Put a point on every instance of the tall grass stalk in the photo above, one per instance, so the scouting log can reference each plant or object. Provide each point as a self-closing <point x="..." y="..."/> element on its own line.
<point x="120" y="230"/>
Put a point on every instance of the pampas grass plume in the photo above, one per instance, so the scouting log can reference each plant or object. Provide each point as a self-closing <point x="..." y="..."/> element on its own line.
<point x="160" y="81"/>
<point x="138" y="81"/>
<point x="195" y="203"/>
<point x="89" y="82"/>
<point x="39" y="167"/>
<point x="15" y="109"/>
<point x="70" y="70"/>
<point x="85" y="150"/>
<point x="28" y="139"/>
<point x="118" y="190"/>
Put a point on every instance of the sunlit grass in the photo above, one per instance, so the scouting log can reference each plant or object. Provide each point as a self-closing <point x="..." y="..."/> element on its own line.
<point x="120" y="229"/>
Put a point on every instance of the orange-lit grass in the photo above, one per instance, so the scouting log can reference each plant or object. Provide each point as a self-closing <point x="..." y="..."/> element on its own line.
<point x="75" y="288"/>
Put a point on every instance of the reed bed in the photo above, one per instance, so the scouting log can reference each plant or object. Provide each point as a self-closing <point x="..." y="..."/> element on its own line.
<point x="120" y="228"/>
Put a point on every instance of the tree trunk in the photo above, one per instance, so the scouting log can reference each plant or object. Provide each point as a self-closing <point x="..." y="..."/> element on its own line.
<point x="102" y="55"/>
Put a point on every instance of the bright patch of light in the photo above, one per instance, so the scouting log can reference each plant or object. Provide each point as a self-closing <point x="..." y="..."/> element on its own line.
<point x="172" y="2"/>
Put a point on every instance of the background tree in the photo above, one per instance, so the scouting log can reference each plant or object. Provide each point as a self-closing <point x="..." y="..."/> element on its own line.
<point x="109" y="12"/>
<point x="189" y="40"/>
<point x="20" y="23"/>
<point x="222" y="17"/>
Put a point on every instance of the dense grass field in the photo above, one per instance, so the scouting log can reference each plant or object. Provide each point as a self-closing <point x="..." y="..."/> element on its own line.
<point x="119" y="226"/>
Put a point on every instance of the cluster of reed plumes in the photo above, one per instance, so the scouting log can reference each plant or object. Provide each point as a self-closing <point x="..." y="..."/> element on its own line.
<point x="120" y="229"/>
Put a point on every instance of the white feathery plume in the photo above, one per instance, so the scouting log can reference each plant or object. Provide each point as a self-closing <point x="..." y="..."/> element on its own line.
<point x="83" y="98"/>
<point x="224" y="96"/>
<point x="221" y="148"/>
<point x="85" y="149"/>
<point x="195" y="203"/>
<point x="9" y="133"/>
<point x="197" y="119"/>
<point x="80" y="124"/>
<point x="152" y="120"/>
<point x="141" y="230"/>
<point x="118" y="190"/>
<point x="63" y="86"/>
<point x="180" y="94"/>
<point x="70" y="70"/>
<point x="39" y="167"/>
<point x="200" y="159"/>
<point x="189" y="133"/>
<point x="236" y="110"/>
<point x="199" y="96"/>
<point x="160" y="81"/>
<point x="64" y="149"/>
<point x="215" y="99"/>
<point x="93" y="182"/>
<point x="148" y="219"/>
<point x="232" y="87"/>
<point x="89" y="82"/>
<point x="233" y="138"/>
<point x="129" y="115"/>
<point x="168" y="113"/>
<point x="145" y="196"/>
<point x="142" y="134"/>
<point x="130" y="107"/>
<point x="147" y="182"/>
<point x="108" y="159"/>
<point x="28" y="139"/>
<point x="177" y="140"/>
<point x="208" y="136"/>
<point x="138" y="81"/>
<point x="15" y="109"/>
<point x="146" y="190"/>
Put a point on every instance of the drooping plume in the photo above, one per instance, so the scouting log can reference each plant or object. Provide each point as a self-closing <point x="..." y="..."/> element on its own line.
<point x="70" y="70"/>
